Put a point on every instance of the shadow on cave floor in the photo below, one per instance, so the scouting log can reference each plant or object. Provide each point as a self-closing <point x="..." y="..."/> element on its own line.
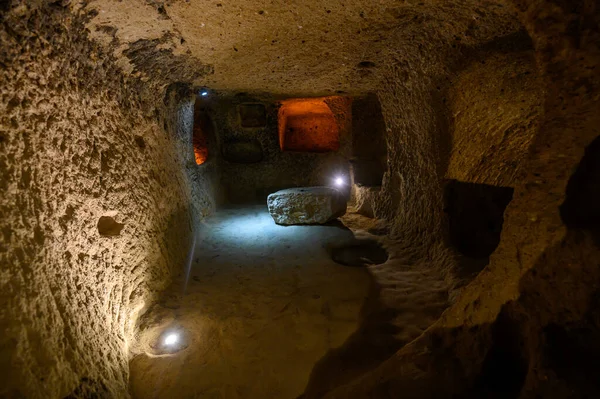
<point x="406" y="296"/>
<point x="263" y="304"/>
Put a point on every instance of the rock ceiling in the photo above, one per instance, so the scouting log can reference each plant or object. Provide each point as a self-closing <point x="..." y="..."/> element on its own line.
<point x="294" y="46"/>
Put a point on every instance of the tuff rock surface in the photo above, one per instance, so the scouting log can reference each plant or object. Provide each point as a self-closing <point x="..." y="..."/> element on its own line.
<point x="96" y="119"/>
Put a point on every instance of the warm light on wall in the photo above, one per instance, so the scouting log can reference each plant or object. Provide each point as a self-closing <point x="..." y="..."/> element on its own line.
<point x="307" y="124"/>
<point x="200" y="141"/>
<point x="200" y="151"/>
<point x="200" y="154"/>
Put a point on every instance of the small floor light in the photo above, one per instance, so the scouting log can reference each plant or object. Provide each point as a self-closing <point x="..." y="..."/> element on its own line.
<point x="204" y="93"/>
<point x="171" y="339"/>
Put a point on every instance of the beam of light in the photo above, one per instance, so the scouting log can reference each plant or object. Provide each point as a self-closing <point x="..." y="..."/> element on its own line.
<point x="189" y="261"/>
<point x="254" y="230"/>
<point x="171" y="339"/>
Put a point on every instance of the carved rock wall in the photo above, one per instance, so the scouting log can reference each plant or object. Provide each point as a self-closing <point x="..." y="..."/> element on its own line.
<point x="95" y="206"/>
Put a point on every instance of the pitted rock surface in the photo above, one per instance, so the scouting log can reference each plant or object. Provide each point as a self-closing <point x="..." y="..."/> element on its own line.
<point x="306" y="205"/>
<point x="96" y="115"/>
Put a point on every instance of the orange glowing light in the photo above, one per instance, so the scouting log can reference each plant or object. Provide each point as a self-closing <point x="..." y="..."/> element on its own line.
<point x="200" y="144"/>
<point x="307" y="124"/>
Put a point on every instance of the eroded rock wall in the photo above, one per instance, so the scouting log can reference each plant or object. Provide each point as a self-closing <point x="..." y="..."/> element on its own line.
<point x="533" y="310"/>
<point x="459" y="108"/>
<point x="79" y="140"/>
<point x="494" y="107"/>
<point x="495" y="104"/>
<point x="202" y="179"/>
<point x="415" y="96"/>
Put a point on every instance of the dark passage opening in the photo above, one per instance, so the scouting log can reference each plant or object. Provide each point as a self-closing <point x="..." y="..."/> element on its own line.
<point x="581" y="208"/>
<point x="369" y="148"/>
<point x="475" y="215"/>
<point x="505" y="367"/>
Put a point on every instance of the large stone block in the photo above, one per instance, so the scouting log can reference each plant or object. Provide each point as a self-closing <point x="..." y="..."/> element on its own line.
<point x="306" y="205"/>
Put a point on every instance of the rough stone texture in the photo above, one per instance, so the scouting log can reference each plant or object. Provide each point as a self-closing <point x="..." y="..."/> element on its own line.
<point x="243" y="151"/>
<point x="79" y="141"/>
<point x="202" y="179"/>
<point x="533" y="309"/>
<point x="495" y="105"/>
<point x="306" y="205"/>
<point x="363" y="199"/>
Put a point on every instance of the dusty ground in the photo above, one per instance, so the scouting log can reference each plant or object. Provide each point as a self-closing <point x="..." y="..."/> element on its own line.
<point x="262" y="304"/>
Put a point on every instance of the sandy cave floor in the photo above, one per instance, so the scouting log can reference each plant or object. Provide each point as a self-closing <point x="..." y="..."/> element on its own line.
<point x="263" y="304"/>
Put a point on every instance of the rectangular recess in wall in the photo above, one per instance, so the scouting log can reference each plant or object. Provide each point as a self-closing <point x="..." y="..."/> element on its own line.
<point x="307" y="124"/>
<point x="369" y="146"/>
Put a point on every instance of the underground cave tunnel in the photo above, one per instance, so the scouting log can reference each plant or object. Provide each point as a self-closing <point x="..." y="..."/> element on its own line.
<point x="269" y="199"/>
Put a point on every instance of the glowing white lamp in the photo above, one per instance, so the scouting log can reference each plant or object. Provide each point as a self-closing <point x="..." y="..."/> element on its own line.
<point x="339" y="181"/>
<point x="171" y="339"/>
<point x="204" y="93"/>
